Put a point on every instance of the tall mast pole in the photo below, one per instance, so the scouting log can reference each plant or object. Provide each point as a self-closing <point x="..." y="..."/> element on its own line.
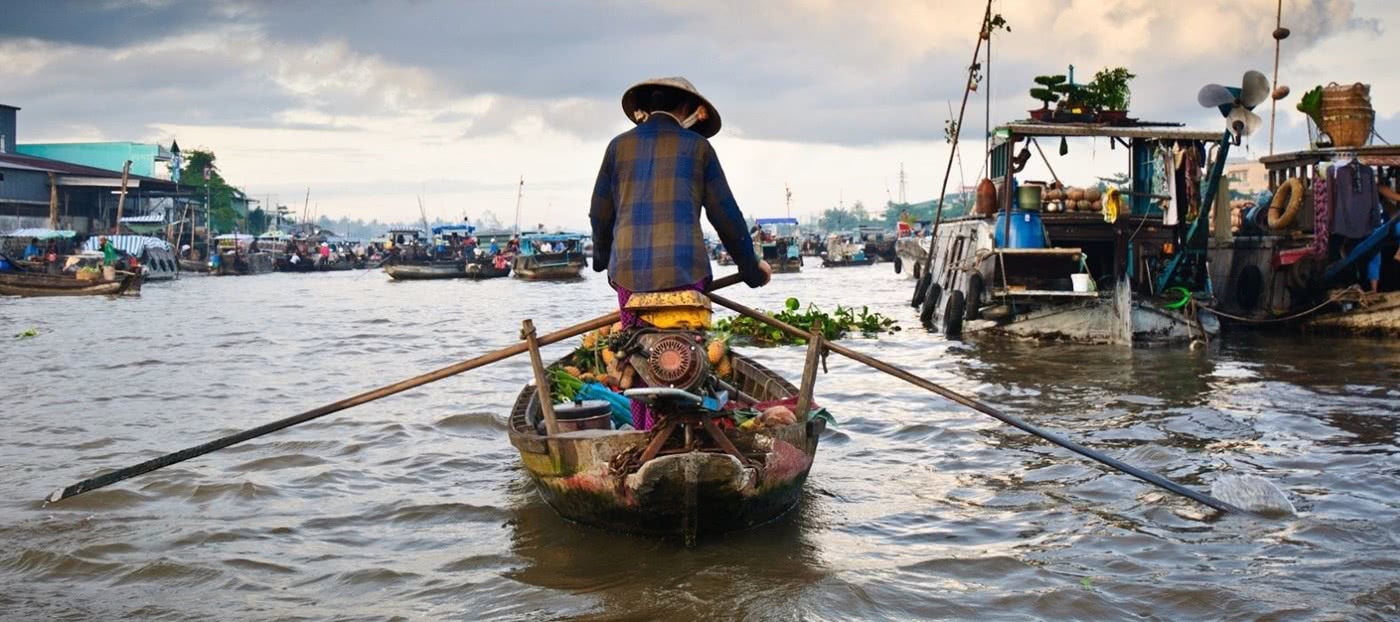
<point x="519" y="194"/>
<point x="1280" y="33"/>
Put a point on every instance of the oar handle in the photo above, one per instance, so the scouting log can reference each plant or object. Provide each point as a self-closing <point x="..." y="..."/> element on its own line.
<point x="986" y="409"/>
<point x="107" y="479"/>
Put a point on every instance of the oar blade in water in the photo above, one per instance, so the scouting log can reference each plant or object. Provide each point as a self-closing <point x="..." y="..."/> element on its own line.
<point x="1253" y="494"/>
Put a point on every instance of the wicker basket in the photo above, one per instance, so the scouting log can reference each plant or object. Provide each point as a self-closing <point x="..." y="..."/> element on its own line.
<point x="1347" y="116"/>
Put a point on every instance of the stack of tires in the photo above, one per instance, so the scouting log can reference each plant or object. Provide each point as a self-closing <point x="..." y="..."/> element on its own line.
<point x="959" y="307"/>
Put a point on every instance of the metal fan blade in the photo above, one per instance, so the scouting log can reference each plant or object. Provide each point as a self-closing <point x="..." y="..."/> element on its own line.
<point x="1256" y="89"/>
<point x="1213" y="95"/>
<point x="1243" y="122"/>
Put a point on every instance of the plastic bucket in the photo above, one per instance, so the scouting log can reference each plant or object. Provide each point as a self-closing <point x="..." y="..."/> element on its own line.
<point x="1029" y="197"/>
<point x="1081" y="281"/>
<point x="109" y="273"/>
<point x="1026" y="230"/>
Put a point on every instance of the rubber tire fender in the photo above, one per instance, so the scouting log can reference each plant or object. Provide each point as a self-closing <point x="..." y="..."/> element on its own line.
<point x="898" y="265"/>
<point x="1279" y="216"/>
<point x="918" y="269"/>
<point x="935" y="291"/>
<point x="973" y="299"/>
<point x="920" y="289"/>
<point x="953" y="315"/>
<point x="1248" y="286"/>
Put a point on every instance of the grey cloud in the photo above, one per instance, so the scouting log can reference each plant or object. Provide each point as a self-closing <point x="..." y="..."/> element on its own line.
<point x="773" y="73"/>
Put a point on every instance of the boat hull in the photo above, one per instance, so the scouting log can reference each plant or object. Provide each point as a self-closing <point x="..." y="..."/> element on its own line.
<point x="546" y="268"/>
<point x="846" y="263"/>
<point x="35" y="285"/>
<point x="245" y="265"/>
<point x="482" y="271"/>
<point x="421" y="272"/>
<point x="681" y="494"/>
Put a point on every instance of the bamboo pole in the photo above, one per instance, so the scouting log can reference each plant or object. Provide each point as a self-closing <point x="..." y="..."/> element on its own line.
<point x="121" y="198"/>
<point x="53" y="201"/>
<point x="957" y="131"/>
<point x="902" y="374"/>
<point x="527" y="332"/>
<point x="107" y="479"/>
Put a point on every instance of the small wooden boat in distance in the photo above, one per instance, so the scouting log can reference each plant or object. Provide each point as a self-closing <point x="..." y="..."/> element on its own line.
<point x="425" y="271"/>
<point x="487" y="268"/>
<point x="31" y="284"/>
<point x="550" y="257"/>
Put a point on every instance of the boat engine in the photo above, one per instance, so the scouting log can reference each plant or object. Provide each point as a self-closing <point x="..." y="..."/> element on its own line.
<point x="669" y="358"/>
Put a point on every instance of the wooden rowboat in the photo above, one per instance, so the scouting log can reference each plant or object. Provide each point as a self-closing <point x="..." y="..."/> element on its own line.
<point x="31" y="284"/>
<point x="434" y="270"/>
<point x="594" y="476"/>
<point x="480" y="270"/>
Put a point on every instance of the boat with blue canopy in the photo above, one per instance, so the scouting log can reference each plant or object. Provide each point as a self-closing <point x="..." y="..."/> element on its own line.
<point x="550" y="256"/>
<point x="778" y="241"/>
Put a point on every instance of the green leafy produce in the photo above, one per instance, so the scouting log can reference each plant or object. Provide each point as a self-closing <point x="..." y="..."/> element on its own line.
<point x="27" y="333"/>
<point x="1311" y="104"/>
<point x="834" y="325"/>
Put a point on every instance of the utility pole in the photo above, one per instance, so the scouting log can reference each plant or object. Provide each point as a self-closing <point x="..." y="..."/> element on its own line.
<point x="519" y="194"/>
<point x="901" y="183"/>
<point x="121" y="198"/>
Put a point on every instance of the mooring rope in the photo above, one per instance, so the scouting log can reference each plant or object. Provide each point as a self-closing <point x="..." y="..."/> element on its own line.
<point x="1341" y="294"/>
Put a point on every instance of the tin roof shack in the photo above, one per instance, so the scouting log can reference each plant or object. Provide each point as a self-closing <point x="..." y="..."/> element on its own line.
<point x="1278" y="270"/>
<point x="1045" y="261"/>
<point x="42" y="192"/>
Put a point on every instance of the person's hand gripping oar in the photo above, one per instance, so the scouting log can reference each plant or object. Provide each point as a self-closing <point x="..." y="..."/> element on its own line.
<point x="902" y="374"/>
<point x="107" y="479"/>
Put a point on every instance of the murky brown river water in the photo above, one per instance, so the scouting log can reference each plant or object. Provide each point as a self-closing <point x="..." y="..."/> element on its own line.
<point x="414" y="507"/>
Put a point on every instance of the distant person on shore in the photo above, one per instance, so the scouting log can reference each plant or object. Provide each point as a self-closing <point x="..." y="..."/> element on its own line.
<point x="647" y="200"/>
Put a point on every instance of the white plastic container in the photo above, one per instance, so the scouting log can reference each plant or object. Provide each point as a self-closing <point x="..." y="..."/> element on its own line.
<point x="1081" y="282"/>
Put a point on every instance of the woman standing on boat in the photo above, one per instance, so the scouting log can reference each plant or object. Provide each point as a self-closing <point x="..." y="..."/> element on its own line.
<point x="653" y="182"/>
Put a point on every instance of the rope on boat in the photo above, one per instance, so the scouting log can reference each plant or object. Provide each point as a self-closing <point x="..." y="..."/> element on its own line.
<point x="1339" y="296"/>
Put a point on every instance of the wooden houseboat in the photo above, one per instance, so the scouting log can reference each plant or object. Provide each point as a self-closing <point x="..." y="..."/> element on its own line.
<point x="1049" y="262"/>
<point x="1286" y="265"/>
<point x="778" y="242"/>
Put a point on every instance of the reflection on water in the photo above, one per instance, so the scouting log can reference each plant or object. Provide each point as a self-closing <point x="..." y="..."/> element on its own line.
<point x="413" y="506"/>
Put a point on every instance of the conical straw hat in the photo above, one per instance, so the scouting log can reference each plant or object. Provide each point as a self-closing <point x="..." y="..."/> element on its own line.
<point x="707" y="128"/>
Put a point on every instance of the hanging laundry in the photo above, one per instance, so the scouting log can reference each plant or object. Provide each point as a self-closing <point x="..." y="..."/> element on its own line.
<point x="1322" y="209"/>
<point x="1191" y="175"/>
<point x="1170" y="211"/>
<point x="1356" y="203"/>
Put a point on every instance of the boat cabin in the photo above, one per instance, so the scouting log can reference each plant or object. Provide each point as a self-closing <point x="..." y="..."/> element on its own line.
<point x="155" y="256"/>
<point x="778" y="241"/>
<point x="1285" y="252"/>
<point x="1118" y="261"/>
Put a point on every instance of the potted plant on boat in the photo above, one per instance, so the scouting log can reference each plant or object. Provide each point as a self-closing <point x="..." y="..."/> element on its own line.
<point x="1075" y="103"/>
<point x="1111" y="95"/>
<point x="1046" y="94"/>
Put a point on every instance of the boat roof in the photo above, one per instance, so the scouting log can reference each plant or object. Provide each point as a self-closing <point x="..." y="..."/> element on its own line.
<point x="1155" y="131"/>
<point x="1373" y="155"/>
<point x="130" y="244"/>
<point x="234" y="236"/>
<point x="553" y="237"/>
<point x="42" y="233"/>
<point x="775" y="221"/>
<point x="451" y="228"/>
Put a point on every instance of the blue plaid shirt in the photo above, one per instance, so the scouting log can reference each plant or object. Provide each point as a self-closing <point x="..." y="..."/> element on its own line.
<point x="646" y="210"/>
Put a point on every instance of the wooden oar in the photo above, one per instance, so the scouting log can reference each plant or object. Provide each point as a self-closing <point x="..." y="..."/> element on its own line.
<point x="986" y="409"/>
<point x="107" y="479"/>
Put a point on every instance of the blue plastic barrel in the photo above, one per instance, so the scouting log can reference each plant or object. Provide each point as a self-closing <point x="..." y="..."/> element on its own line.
<point x="1026" y="230"/>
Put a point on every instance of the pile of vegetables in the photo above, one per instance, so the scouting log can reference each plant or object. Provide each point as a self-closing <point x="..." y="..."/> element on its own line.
<point x="597" y="360"/>
<point x="835" y="325"/>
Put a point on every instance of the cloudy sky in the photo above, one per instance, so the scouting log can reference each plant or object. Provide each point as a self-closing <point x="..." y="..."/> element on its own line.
<point x="371" y="103"/>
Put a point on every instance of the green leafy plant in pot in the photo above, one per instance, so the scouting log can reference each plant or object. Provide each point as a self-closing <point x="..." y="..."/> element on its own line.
<point x="1046" y="94"/>
<point x="1110" y="94"/>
